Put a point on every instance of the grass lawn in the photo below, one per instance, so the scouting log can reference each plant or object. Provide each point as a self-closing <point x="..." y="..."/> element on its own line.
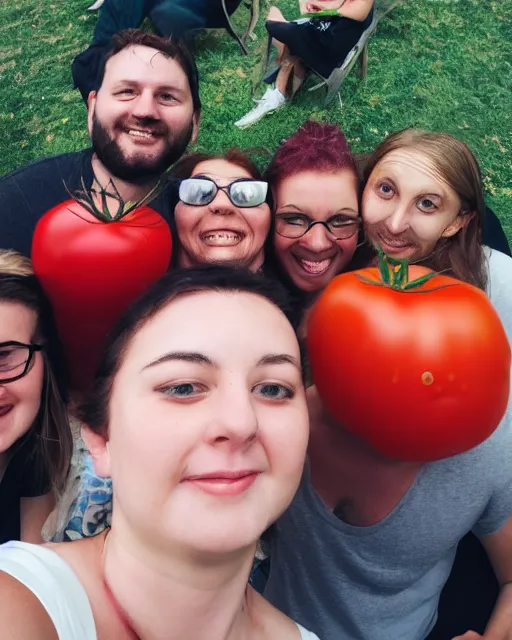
<point x="438" y="64"/>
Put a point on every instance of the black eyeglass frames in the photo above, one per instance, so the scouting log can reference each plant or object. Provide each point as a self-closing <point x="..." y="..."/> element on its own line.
<point x="16" y="359"/>
<point x="294" y="225"/>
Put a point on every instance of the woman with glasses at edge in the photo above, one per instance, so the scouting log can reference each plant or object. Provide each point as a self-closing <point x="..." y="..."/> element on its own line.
<point x="35" y="438"/>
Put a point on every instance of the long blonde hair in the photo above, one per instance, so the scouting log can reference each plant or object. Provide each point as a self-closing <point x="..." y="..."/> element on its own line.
<point x="461" y="255"/>
<point x="15" y="264"/>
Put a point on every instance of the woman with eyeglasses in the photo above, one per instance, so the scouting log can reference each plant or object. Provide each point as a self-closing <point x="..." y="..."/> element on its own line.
<point x="35" y="437"/>
<point x="314" y="185"/>
<point x="223" y="214"/>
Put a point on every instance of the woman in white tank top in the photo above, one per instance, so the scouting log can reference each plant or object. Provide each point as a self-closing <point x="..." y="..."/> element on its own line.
<point x="199" y="416"/>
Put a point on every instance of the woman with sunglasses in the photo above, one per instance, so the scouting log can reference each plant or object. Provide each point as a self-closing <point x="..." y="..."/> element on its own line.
<point x="314" y="186"/>
<point x="223" y="215"/>
<point x="35" y="437"/>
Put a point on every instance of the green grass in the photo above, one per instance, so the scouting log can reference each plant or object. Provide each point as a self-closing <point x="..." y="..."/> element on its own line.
<point x="438" y="64"/>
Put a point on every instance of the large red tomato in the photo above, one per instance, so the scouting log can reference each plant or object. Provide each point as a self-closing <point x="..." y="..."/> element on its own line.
<point x="92" y="269"/>
<point x="419" y="371"/>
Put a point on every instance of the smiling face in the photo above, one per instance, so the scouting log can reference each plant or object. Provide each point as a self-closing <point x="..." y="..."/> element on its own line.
<point x="142" y="118"/>
<point x="19" y="400"/>
<point x="407" y="207"/>
<point x="312" y="260"/>
<point x="208" y="424"/>
<point x="221" y="232"/>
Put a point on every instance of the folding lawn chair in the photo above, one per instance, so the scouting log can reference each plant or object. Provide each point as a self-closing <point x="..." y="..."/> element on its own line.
<point x="254" y="6"/>
<point x="359" y="52"/>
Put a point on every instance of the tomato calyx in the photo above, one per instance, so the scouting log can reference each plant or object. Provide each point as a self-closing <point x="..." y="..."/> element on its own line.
<point x="96" y="201"/>
<point x="394" y="274"/>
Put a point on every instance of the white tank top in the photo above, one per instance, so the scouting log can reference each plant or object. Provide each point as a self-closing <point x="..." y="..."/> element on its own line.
<point x="57" y="587"/>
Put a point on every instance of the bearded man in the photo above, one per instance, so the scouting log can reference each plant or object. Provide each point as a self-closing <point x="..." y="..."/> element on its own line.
<point x="141" y="118"/>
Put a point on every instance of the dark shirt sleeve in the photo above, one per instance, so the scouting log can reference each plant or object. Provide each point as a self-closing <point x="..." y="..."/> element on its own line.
<point x="36" y="482"/>
<point x="32" y="476"/>
<point x="494" y="235"/>
<point x="18" y="216"/>
<point x="28" y="193"/>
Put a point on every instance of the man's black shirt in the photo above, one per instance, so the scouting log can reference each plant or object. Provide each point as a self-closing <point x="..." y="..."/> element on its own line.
<point x="28" y="193"/>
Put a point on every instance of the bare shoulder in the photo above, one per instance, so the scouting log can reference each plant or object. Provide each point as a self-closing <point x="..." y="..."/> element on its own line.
<point x="22" y="614"/>
<point x="84" y="557"/>
<point x="79" y="554"/>
<point x="269" y="622"/>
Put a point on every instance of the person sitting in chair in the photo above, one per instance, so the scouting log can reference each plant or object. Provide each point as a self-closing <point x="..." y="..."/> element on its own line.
<point x="179" y="19"/>
<point x="319" y="42"/>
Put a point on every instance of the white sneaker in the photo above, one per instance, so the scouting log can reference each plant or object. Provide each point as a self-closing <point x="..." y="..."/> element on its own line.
<point x="272" y="100"/>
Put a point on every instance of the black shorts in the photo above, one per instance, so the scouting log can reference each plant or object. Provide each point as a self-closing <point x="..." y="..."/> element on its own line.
<point x="319" y="50"/>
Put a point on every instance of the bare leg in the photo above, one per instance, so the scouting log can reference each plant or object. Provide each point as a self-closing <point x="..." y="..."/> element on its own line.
<point x="299" y="74"/>
<point x="290" y="77"/>
<point x="275" y="15"/>
<point x="282" y="51"/>
<point x="283" y="77"/>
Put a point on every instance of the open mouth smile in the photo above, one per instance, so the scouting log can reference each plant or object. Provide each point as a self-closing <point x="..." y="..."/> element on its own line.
<point x="314" y="267"/>
<point x="222" y="238"/>
<point x="143" y="135"/>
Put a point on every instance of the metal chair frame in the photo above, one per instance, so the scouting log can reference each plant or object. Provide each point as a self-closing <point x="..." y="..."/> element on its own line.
<point x="255" y="6"/>
<point x="359" y="52"/>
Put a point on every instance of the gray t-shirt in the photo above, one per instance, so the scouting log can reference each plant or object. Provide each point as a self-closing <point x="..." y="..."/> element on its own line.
<point x="499" y="286"/>
<point x="383" y="582"/>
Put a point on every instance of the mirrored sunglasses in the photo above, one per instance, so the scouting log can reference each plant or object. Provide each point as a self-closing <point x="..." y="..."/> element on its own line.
<point x="244" y="193"/>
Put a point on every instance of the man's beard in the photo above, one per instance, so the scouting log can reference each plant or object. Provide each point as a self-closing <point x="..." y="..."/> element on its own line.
<point x="139" y="168"/>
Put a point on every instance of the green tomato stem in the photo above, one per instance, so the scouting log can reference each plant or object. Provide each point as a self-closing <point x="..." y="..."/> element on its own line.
<point x="85" y="197"/>
<point x="395" y="273"/>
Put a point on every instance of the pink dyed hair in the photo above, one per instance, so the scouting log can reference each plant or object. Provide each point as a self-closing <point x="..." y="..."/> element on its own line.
<point x="315" y="146"/>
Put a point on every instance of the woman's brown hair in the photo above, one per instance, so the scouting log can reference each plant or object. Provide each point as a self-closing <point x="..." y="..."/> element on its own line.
<point x="184" y="168"/>
<point x="461" y="255"/>
<point x="50" y="433"/>
<point x="94" y="411"/>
